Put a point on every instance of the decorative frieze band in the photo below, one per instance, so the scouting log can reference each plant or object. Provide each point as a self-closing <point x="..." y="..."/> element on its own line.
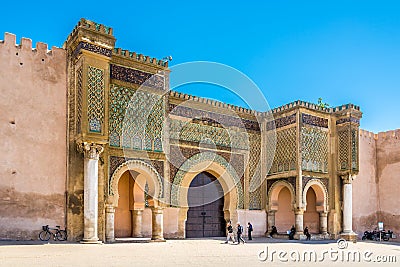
<point x="93" y="48"/>
<point x="281" y="122"/>
<point x="314" y="120"/>
<point x="221" y="119"/>
<point x="136" y="76"/>
<point x="348" y="119"/>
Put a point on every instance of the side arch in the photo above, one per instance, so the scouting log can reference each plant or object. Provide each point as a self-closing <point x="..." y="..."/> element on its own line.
<point x="274" y="191"/>
<point x="321" y="194"/>
<point x="141" y="168"/>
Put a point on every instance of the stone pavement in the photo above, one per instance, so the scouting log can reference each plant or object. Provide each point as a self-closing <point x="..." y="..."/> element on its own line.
<point x="197" y="252"/>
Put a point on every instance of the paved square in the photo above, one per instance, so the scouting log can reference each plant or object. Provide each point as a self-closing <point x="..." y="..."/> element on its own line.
<point x="194" y="252"/>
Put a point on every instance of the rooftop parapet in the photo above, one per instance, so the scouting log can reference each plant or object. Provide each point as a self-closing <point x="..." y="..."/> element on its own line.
<point x="367" y="134"/>
<point x="213" y="103"/>
<point x="313" y="106"/>
<point x="93" y="26"/>
<point x="140" y="57"/>
<point x="26" y="45"/>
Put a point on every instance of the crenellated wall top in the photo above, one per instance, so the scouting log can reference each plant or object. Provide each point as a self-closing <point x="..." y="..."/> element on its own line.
<point x="312" y="106"/>
<point x="139" y="57"/>
<point x="215" y="103"/>
<point x="92" y="26"/>
<point x="26" y="45"/>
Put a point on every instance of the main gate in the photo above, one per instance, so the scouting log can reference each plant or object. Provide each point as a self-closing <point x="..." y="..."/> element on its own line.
<point x="205" y="216"/>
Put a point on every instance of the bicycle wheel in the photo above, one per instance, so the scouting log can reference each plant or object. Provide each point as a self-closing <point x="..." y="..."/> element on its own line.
<point x="61" y="235"/>
<point x="44" y="235"/>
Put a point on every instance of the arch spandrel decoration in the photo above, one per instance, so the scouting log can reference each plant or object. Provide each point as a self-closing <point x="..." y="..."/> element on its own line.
<point x="200" y="158"/>
<point x="321" y="193"/>
<point x="274" y="190"/>
<point x="136" y="165"/>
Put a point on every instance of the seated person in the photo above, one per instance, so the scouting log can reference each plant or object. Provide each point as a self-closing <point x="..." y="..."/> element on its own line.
<point x="274" y="231"/>
<point x="292" y="232"/>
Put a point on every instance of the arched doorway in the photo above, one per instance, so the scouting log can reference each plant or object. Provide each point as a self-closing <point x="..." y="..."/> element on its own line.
<point x="311" y="215"/>
<point x="284" y="216"/>
<point x="123" y="216"/>
<point x="205" y="216"/>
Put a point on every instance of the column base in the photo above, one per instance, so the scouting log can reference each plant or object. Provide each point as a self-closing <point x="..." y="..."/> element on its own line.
<point x="91" y="241"/>
<point x="299" y="236"/>
<point x="158" y="240"/>
<point x="349" y="236"/>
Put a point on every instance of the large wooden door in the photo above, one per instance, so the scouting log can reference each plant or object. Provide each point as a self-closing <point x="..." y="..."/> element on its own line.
<point x="205" y="216"/>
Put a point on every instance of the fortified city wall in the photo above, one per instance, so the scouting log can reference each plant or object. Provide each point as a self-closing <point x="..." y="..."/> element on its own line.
<point x="376" y="189"/>
<point x="32" y="137"/>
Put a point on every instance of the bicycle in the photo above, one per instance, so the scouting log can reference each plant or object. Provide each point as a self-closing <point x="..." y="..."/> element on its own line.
<point x="46" y="233"/>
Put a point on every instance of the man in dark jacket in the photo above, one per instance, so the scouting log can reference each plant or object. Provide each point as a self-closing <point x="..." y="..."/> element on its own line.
<point x="307" y="233"/>
<point x="249" y="230"/>
<point x="239" y="233"/>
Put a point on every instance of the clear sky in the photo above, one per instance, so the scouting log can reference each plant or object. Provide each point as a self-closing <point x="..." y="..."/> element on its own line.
<point x="342" y="51"/>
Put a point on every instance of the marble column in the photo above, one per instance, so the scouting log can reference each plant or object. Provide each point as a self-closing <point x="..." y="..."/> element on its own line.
<point x="347" y="207"/>
<point x="90" y="198"/>
<point x="157" y="224"/>
<point x="299" y="221"/>
<point x="110" y="212"/>
<point x="137" y="216"/>
<point x="323" y="222"/>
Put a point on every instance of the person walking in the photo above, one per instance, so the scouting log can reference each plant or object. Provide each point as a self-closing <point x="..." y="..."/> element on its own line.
<point x="249" y="230"/>
<point x="230" y="235"/>
<point x="307" y="233"/>
<point x="239" y="233"/>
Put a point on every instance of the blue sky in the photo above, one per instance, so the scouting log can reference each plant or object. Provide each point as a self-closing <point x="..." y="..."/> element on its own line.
<point x="342" y="51"/>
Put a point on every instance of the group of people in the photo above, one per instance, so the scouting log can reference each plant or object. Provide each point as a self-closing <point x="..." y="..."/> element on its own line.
<point x="274" y="231"/>
<point x="291" y="232"/>
<point x="239" y="232"/>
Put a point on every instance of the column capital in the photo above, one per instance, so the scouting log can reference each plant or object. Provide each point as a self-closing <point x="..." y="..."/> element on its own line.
<point x="157" y="209"/>
<point x="90" y="150"/>
<point x="348" y="178"/>
<point x="323" y="213"/>
<point x="299" y="211"/>
<point x="110" y="208"/>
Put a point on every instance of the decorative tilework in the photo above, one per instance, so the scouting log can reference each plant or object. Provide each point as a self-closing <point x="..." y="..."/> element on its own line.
<point x="348" y="140"/>
<point x="116" y="162"/>
<point x="137" y="77"/>
<point x="314" y="149"/>
<point x="354" y="149"/>
<point x="95" y="98"/>
<point x="255" y="171"/>
<point x="136" y="119"/>
<point x="92" y="48"/>
<point x="324" y="181"/>
<point x="79" y="100"/>
<point x="348" y="119"/>
<point x="290" y="180"/>
<point x="281" y="122"/>
<point x="314" y="120"/>
<point x="285" y="153"/>
<point x="224" y="120"/>
<point x="194" y="132"/>
<point x="344" y="149"/>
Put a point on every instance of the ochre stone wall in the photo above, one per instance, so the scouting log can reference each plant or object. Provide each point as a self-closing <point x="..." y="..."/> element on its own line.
<point x="32" y="138"/>
<point x="388" y="174"/>
<point x="376" y="190"/>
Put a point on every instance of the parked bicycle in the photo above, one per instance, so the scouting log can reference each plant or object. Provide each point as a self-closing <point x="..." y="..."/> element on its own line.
<point x="57" y="233"/>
